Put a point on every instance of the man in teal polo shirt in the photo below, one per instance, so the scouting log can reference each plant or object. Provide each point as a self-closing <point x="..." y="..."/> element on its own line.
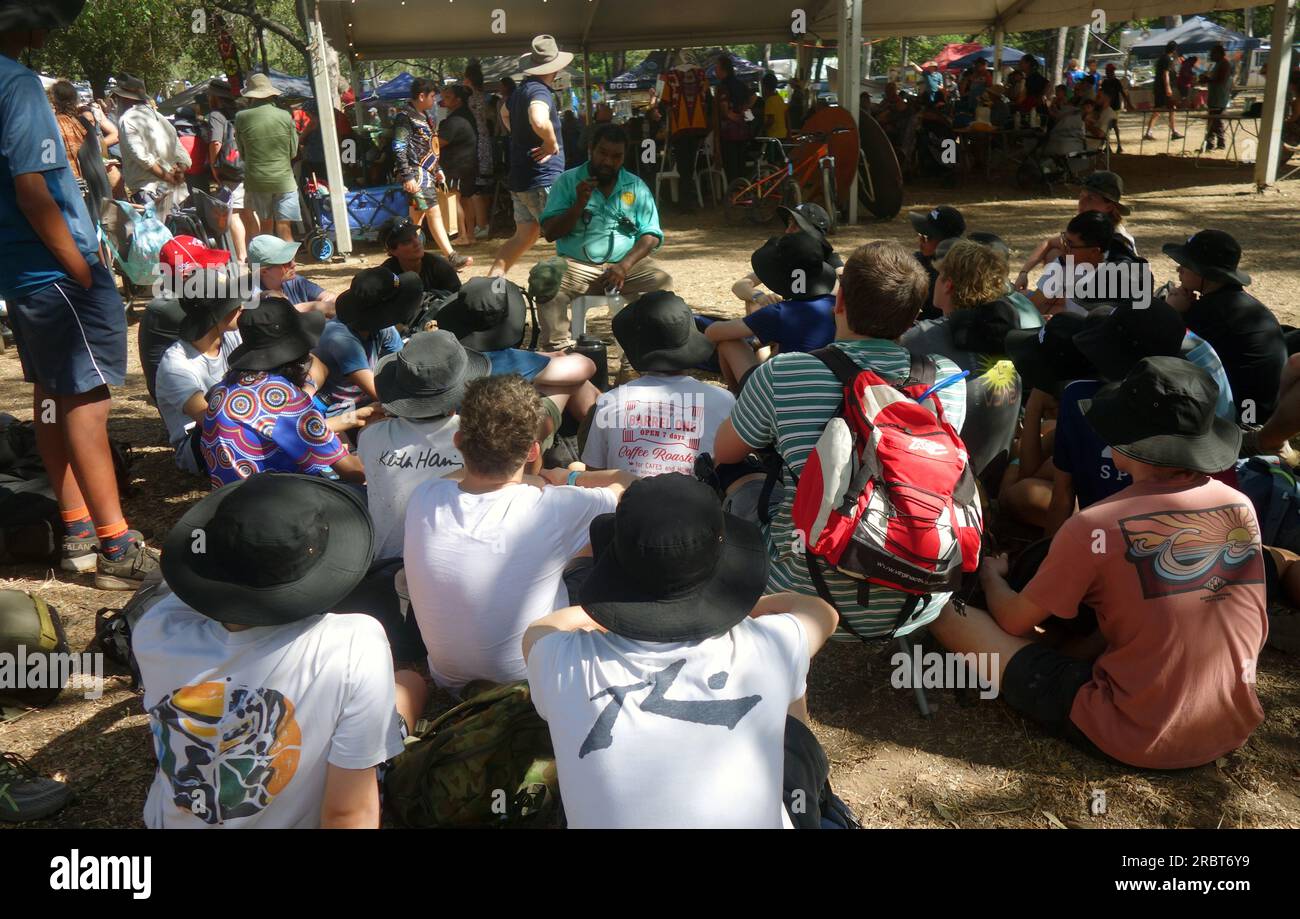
<point x="604" y="221"/>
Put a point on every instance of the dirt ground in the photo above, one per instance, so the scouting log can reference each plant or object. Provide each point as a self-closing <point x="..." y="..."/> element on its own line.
<point x="973" y="763"/>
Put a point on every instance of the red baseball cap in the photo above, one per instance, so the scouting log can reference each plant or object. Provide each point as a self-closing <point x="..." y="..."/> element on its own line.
<point x="185" y="253"/>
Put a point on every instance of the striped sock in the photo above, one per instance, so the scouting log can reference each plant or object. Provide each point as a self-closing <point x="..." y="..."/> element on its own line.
<point x="113" y="540"/>
<point x="77" y="523"/>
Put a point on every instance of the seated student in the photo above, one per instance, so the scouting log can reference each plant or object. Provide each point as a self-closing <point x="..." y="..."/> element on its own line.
<point x="1243" y="331"/>
<point x="268" y="710"/>
<point x="259" y="418"/>
<point x="794" y="267"/>
<point x="1102" y="192"/>
<point x="662" y="421"/>
<point x="802" y="218"/>
<point x="1178" y="590"/>
<point x="668" y="691"/>
<point x="485" y="556"/>
<point x="789" y="400"/>
<point x="488" y="316"/>
<point x="971" y="293"/>
<point x="196" y="363"/>
<point x="352" y="344"/>
<point x="1274" y="435"/>
<point x="1087" y="245"/>
<point x="933" y="227"/>
<point x="278" y="275"/>
<point x="405" y="244"/>
<point x="420" y="388"/>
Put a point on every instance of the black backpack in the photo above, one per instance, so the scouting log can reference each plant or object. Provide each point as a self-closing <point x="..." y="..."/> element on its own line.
<point x="230" y="168"/>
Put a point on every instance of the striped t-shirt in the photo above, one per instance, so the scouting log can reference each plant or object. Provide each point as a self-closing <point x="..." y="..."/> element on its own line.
<point x="787" y="403"/>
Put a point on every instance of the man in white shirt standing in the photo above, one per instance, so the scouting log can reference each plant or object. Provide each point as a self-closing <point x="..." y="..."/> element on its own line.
<point x="664" y="420"/>
<point x="420" y="388"/>
<point x="153" y="160"/>
<point x="266" y="709"/>
<point x="667" y="692"/>
<point x="485" y="556"/>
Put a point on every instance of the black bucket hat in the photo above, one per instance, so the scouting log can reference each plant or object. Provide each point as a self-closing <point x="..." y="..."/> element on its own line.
<point x="203" y="313"/>
<point x="1118" y="341"/>
<point x="275" y="548"/>
<point x="1163" y="413"/>
<point x="984" y="328"/>
<point x="938" y="223"/>
<point x="658" y="333"/>
<point x="795" y="259"/>
<point x="427" y="378"/>
<point x="487" y="314"/>
<point x="671" y="566"/>
<point x="1212" y="254"/>
<point x="275" y="333"/>
<point x="40" y="14"/>
<point x="1047" y="358"/>
<point x="1110" y="186"/>
<point x="377" y="299"/>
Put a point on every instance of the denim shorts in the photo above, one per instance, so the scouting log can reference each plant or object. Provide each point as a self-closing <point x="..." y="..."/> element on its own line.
<point x="71" y="340"/>
<point x="275" y="205"/>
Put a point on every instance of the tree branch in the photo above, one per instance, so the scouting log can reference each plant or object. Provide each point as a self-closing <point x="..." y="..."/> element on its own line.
<point x="249" y="12"/>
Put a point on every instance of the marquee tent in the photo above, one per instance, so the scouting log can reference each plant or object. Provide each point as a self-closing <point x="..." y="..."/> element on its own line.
<point x="1197" y="35"/>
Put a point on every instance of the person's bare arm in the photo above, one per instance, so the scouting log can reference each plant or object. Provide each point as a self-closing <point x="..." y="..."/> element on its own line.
<point x="1031" y="440"/>
<point x="817" y="617"/>
<point x="616" y="480"/>
<point x="728" y="330"/>
<point x="562" y="225"/>
<point x="728" y="447"/>
<point x="1043" y="252"/>
<point x="539" y="116"/>
<point x="196" y="406"/>
<point x="365" y="381"/>
<point x="569" y="619"/>
<point x="42" y="212"/>
<point x="351" y="799"/>
<point x="107" y="130"/>
<point x="1062" y="504"/>
<point x="350" y="469"/>
<point x="1016" y="614"/>
<point x="615" y="275"/>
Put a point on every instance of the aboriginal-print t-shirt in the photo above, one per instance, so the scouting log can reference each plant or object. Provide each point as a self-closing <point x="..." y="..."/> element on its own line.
<point x="1175" y="573"/>
<point x="259" y="422"/>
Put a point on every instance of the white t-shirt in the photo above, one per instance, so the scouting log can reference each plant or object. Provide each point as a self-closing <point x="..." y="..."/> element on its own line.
<point x="656" y="424"/>
<point x="482" y="568"/>
<point x="681" y="735"/>
<point x="182" y="372"/>
<point x="400" y="455"/>
<point x="245" y="723"/>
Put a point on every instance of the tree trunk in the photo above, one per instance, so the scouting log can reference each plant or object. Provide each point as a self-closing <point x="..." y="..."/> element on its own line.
<point x="767" y="55"/>
<point x="1248" y="15"/>
<point x="902" y="54"/>
<point x="1058" y="62"/>
<point x="866" y="69"/>
<point x="1081" y="49"/>
<point x="261" y="49"/>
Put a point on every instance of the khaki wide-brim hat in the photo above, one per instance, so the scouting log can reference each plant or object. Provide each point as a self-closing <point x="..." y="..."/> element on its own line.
<point x="546" y="57"/>
<point x="259" y="86"/>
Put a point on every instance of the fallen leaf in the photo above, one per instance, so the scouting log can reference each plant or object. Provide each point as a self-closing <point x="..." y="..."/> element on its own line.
<point x="1054" y="820"/>
<point x="943" y="811"/>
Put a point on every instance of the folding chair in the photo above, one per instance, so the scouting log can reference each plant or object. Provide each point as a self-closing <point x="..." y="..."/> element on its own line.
<point x="667" y="173"/>
<point x="707" y="169"/>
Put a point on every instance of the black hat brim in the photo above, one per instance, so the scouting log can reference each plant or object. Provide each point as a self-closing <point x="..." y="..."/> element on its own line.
<point x="804" y="224"/>
<point x="455" y="318"/>
<point x="614" y="599"/>
<point x="696" y="350"/>
<point x="397" y="401"/>
<point x="47" y="15"/>
<point x="1178" y="252"/>
<point x="1032" y="363"/>
<point x="775" y="275"/>
<point x="339" y="569"/>
<point x="198" y="323"/>
<point x="289" y="348"/>
<point x="1123" y="430"/>
<point x="399" y="308"/>
<point x="921" y="223"/>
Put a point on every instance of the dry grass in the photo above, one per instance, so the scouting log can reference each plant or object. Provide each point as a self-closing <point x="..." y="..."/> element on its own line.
<point x="973" y="764"/>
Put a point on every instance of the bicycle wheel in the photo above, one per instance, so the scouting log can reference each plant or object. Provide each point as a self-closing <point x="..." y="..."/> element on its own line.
<point x="739" y="200"/>
<point x="765" y="205"/>
<point x="828" y="191"/>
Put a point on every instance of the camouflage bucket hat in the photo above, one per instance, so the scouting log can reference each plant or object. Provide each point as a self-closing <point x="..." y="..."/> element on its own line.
<point x="545" y="278"/>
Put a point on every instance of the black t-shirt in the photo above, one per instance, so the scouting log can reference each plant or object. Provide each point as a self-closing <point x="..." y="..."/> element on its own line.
<point x="1113" y="89"/>
<point x="460" y="151"/>
<point x="1248" y="339"/>
<point x="436" y="274"/>
<point x="1163" y="66"/>
<point x="1035" y="84"/>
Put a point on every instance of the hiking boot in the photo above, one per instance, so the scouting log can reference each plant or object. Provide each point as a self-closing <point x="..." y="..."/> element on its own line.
<point x="458" y="261"/>
<point x="79" y="554"/>
<point x="1176" y="136"/>
<point x="25" y="795"/>
<point x="129" y="571"/>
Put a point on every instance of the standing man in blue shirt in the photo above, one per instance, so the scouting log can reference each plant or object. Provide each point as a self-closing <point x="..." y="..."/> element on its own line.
<point x="67" y="316"/>
<point x="604" y="221"/>
<point x="536" y="157"/>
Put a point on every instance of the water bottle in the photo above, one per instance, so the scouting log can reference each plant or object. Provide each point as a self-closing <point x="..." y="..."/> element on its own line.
<point x="593" y="347"/>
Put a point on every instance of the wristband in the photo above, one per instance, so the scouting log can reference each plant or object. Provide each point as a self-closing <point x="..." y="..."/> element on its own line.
<point x="573" y="477"/>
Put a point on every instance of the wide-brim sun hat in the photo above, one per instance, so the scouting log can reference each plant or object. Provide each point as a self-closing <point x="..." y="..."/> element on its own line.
<point x="545" y="57"/>
<point x="659" y="335"/>
<point x="427" y="378"/>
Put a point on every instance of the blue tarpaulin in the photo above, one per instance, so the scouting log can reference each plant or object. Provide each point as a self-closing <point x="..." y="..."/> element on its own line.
<point x="1197" y="35"/>
<point x="1009" y="56"/>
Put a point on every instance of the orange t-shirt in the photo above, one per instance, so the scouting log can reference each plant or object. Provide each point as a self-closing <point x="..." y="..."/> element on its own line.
<point x="1176" y="575"/>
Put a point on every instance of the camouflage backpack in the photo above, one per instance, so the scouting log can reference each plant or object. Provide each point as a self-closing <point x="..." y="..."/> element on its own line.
<point x="487" y="762"/>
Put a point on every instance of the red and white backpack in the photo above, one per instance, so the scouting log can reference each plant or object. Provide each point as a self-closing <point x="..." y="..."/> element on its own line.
<point x="887" y="496"/>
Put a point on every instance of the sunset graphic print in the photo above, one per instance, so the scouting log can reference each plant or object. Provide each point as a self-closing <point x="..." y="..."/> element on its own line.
<point x="1183" y="551"/>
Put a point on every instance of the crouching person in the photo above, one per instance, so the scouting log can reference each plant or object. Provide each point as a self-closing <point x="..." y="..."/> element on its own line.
<point x="268" y="710"/>
<point x="1172" y="566"/>
<point x="667" y="691"/>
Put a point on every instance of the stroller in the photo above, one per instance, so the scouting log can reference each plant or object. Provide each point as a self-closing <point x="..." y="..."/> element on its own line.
<point x="1060" y="155"/>
<point x="368" y="210"/>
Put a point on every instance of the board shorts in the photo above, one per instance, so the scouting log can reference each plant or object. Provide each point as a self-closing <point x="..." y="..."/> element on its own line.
<point x="282" y="206"/>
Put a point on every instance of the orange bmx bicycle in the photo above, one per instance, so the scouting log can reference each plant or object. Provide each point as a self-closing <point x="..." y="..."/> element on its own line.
<point x="780" y="181"/>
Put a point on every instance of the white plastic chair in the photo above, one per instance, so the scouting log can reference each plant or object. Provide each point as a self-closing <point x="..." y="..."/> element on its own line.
<point x="706" y="168"/>
<point x="667" y="173"/>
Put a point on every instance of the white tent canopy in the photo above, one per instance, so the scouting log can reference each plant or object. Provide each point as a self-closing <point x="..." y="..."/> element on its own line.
<point x="366" y="29"/>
